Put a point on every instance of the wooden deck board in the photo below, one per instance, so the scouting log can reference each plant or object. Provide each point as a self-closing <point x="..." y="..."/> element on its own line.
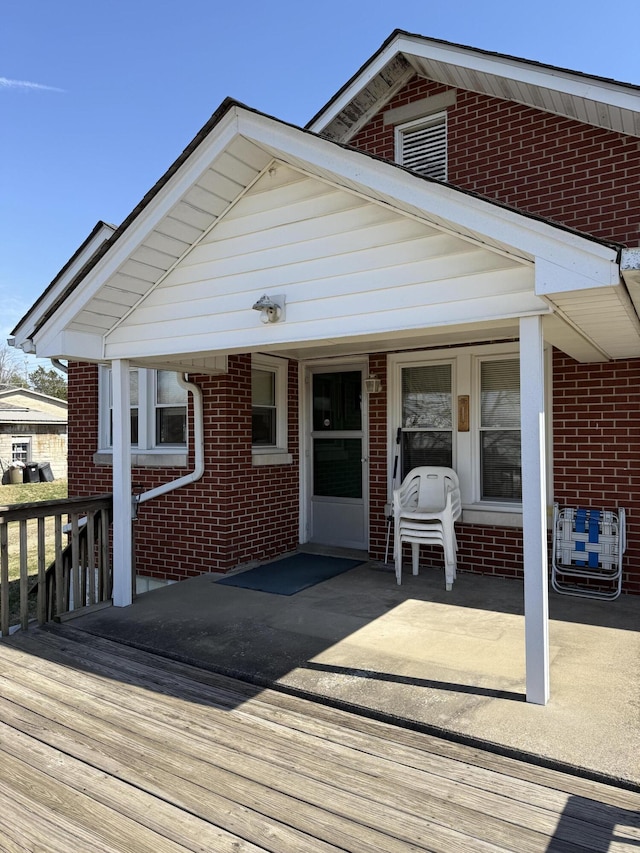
<point x="133" y="749"/>
<point x="290" y="710"/>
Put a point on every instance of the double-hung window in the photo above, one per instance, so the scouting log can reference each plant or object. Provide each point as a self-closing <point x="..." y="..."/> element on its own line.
<point x="269" y="395"/>
<point x="460" y="408"/>
<point x="499" y="430"/>
<point x="158" y="411"/>
<point x="427" y="415"/>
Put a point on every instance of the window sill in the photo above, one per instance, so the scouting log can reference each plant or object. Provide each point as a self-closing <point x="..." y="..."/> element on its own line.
<point x="498" y="516"/>
<point x="146" y="459"/>
<point x="276" y="457"/>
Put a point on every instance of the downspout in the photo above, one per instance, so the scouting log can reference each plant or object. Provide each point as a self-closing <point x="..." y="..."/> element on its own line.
<point x="198" y="439"/>
<point x="57" y="363"/>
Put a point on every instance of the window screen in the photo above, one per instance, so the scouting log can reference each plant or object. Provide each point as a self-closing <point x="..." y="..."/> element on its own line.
<point x="427" y="417"/>
<point x="501" y="474"/>
<point x="263" y="408"/>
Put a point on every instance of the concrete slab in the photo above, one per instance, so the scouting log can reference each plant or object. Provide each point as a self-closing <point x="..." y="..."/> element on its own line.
<point x="452" y="662"/>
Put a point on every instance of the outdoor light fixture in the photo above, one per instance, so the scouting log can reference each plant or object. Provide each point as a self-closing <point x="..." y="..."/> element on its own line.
<point x="373" y="385"/>
<point x="271" y="308"/>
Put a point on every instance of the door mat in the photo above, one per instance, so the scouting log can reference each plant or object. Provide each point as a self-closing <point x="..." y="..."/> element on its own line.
<point x="291" y="574"/>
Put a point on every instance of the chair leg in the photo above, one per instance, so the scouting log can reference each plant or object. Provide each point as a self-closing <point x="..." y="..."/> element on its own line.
<point x="398" y="556"/>
<point x="415" y="556"/>
<point x="450" y="563"/>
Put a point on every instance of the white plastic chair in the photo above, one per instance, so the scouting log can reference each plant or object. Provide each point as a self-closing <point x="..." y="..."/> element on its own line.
<point x="425" y="509"/>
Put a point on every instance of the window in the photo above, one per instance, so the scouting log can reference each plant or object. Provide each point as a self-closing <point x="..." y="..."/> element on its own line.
<point x="499" y="432"/>
<point x="421" y="146"/>
<point x="170" y="409"/>
<point x="427" y="416"/>
<point x="263" y="408"/>
<point x="21" y="449"/>
<point x="269" y="410"/>
<point x="158" y="410"/>
<point x="424" y="392"/>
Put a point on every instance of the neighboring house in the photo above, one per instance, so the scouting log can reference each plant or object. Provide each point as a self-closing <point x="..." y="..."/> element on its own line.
<point x="33" y="429"/>
<point x="456" y="226"/>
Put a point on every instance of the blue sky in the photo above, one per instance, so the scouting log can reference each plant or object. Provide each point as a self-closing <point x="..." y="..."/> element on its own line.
<point x="98" y="99"/>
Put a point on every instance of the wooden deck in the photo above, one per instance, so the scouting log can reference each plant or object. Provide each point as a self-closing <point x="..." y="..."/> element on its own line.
<point x="106" y="748"/>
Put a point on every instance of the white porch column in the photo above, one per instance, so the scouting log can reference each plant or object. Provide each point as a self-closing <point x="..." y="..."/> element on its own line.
<point x="122" y="535"/>
<point x="534" y="510"/>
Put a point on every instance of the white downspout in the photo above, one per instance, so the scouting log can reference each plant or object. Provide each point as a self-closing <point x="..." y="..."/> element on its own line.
<point x="198" y="440"/>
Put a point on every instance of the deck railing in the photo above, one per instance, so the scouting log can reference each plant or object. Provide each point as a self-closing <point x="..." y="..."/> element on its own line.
<point x="60" y="552"/>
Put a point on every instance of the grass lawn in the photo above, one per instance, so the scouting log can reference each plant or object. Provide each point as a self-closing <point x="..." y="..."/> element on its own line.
<point x="11" y="495"/>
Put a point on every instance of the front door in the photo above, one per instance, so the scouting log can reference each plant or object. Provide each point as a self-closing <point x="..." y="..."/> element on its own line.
<point x="337" y="447"/>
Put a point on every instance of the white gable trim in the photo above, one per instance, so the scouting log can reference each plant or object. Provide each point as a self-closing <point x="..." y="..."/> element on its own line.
<point x="563" y="82"/>
<point x="577" y="262"/>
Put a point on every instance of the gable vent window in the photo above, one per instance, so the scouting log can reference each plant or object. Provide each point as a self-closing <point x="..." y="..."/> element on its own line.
<point x="422" y="146"/>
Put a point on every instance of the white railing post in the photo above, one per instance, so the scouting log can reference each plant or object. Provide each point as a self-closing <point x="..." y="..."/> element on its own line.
<point x="122" y="533"/>
<point x="534" y="510"/>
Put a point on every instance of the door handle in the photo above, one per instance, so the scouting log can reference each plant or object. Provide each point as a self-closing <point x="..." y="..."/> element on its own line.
<point x="364" y="460"/>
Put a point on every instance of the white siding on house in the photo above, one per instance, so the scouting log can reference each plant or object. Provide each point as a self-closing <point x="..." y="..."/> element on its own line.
<point x="346" y="265"/>
<point x="209" y="197"/>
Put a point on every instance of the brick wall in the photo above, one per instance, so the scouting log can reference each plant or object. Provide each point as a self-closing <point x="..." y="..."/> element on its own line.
<point x="584" y="177"/>
<point x="596" y="453"/>
<point x="235" y="514"/>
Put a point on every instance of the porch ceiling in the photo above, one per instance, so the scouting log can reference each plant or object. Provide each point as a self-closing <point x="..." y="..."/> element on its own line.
<point x="364" y="252"/>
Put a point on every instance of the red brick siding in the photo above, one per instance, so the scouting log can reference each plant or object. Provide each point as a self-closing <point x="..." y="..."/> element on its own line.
<point x="235" y="514"/>
<point x="585" y="177"/>
<point x="596" y="443"/>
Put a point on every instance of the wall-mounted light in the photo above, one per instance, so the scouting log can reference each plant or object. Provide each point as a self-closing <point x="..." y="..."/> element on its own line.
<point x="373" y="385"/>
<point x="271" y="308"/>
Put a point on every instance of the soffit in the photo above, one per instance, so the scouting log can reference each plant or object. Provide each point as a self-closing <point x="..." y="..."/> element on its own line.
<point x="592" y="100"/>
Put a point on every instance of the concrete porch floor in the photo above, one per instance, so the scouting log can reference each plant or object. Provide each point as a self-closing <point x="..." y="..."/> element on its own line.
<point x="451" y="662"/>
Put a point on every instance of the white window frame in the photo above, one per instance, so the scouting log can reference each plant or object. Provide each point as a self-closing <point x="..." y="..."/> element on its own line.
<point x="276" y="454"/>
<point x="466" y="445"/>
<point x="146" y="452"/>
<point x="21" y="439"/>
<point x="403" y="130"/>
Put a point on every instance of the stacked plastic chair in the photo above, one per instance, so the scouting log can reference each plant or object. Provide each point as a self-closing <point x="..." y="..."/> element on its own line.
<point x="588" y="545"/>
<point x="425" y="508"/>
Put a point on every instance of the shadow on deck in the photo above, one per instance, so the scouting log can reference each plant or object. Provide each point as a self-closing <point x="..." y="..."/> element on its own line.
<point x="448" y="663"/>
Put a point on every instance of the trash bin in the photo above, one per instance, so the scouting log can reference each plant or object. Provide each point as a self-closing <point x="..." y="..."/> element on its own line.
<point x="45" y="472"/>
<point x="31" y="473"/>
<point x="16" y="475"/>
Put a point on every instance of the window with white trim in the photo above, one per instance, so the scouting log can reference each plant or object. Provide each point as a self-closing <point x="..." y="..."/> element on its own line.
<point x="158" y="410"/>
<point x="425" y="392"/>
<point x="421" y="146"/>
<point x="499" y="430"/>
<point x="21" y="449"/>
<point x="268" y="405"/>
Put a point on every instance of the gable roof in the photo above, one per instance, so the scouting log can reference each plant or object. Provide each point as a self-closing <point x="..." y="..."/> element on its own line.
<point x="587" y="98"/>
<point x="234" y="149"/>
<point x="31" y="407"/>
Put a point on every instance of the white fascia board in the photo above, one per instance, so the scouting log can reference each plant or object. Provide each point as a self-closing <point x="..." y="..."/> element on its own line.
<point x="467" y="215"/>
<point x="33" y="318"/>
<point x="368" y="73"/>
<point x="553" y="278"/>
<point x="169" y="195"/>
<point x="72" y="345"/>
<point x="555" y="79"/>
<point x="513" y="69"/>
